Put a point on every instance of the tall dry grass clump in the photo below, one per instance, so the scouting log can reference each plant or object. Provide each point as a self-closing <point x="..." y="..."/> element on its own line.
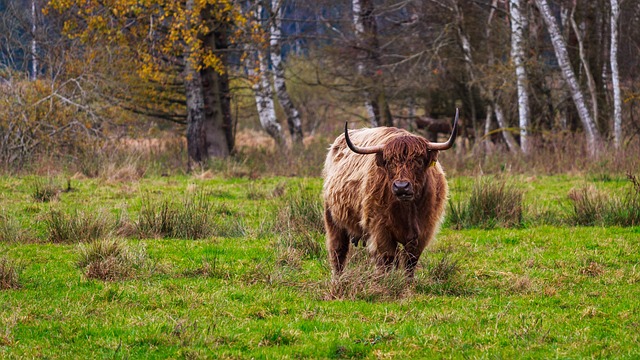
<point x="112" y="259"/>
<point x="12" y="232"/>
<point x="79" y="226"/>
<point x="361" y="280"/>
<point x="493" y="203"/>
<point x="9" y="274"/>
<point x="596" y="207"/>
<point x="300" y="223"/>
<point x="188" y="219"/>
<point x="45" y="191"/>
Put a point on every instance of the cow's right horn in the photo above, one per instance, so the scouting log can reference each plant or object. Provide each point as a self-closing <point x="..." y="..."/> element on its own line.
<point x="360" y="150"/>
<point x="452" y="139"/>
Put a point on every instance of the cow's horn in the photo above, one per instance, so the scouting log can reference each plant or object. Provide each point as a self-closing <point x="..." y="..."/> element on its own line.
<point x="359" y="150"/>
<point x="452" y="139"/>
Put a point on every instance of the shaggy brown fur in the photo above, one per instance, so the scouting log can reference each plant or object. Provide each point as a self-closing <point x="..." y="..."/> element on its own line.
<point x="359" y="201"/>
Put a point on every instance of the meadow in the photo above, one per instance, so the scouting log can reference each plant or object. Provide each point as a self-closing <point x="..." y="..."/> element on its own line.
<point x="231" y="267"/>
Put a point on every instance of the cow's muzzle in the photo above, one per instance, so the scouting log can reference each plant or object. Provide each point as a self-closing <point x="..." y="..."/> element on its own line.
<point x="403" y="190"/>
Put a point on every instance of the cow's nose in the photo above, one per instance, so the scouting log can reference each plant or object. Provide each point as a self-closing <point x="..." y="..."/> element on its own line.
<point x="402" y="188"/>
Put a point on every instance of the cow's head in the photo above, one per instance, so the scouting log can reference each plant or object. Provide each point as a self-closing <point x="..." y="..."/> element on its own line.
<point x="405" y="160"/>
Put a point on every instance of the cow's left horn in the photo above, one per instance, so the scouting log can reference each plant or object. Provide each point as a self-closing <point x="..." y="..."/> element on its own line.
<point x="359" y="150"/>
<point x="452" y="139"/>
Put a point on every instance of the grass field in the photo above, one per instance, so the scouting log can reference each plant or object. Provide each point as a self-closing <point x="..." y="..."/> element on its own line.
<point x="255" y="284"/>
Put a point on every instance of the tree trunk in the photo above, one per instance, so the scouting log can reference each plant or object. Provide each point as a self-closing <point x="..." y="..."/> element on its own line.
<point x="209" y="127"/>
<point x="560" y="48"/>
<point x="591" y="84"/>
<point x="366" y="35"/>
<point x="261" y="85"/>
<point x="264" y="101"/>
<point x="196" y="136"/>
<point x="502" y="124"/>
<point x="615" y="75"/>
<point x="34" y="45"/>
<point x="293" y="116"/>
<point x="518" y="56"/>
<point x="465" y="45"/>
<point x="487" y="128"/>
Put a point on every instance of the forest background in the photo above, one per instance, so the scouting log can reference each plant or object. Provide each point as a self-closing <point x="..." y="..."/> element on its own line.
<point x="175" y="86"/>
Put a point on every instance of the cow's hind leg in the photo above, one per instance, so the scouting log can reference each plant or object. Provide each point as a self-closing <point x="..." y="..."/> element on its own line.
<point x="337" y="244"/>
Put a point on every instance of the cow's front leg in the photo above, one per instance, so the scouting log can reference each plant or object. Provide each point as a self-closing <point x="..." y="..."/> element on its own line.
<point x="384" y="250"/>
<point x="412" y="250"/>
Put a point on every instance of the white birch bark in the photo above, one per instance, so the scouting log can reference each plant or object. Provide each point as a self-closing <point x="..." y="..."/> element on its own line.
<point x="487" y="129"/>
<point x="293" y="116"/>
<point x="518" y="56"/>
<point x="262" y="90"/>
<point x="358" y="25"/>
<point x="560" y="48"/>
<point x="502" y="124"/>
<point x="585" y="64"/>
<point x="34" y="45"/>
<point x="615" y="75"/>
<point x="264" y="98"/>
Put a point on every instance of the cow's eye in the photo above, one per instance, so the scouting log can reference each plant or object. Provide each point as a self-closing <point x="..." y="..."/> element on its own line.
<point x="420" y="162"/>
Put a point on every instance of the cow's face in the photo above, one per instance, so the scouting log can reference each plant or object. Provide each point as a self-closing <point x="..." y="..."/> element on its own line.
<point x="405" y="161"/>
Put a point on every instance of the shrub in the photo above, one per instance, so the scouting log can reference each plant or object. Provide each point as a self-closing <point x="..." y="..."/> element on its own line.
<point x="492" y="203"/>
<point x="9" y="275"/>
<point x="78" y="226"/>
<point x="112" y="259"/>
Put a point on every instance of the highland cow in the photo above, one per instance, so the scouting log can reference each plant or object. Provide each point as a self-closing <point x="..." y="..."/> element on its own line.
<point x="389" y="192"/>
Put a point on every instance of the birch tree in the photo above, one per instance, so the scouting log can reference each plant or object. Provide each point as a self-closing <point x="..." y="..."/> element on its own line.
<point x="518" y="56"/>
<point x="34" y="45"/>
<point x="292" y="113"/>
<point x="257" y="69"/>
<point x="591" y="83"/>
<point x="560" y="49"/>
<point x="615" y="75"/>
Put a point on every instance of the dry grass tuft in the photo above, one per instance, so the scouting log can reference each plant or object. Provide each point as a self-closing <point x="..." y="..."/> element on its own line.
<point x="493" y="203"/>
<point x="45" y="191"/>
<point x="113" y="259"/>
<point x="9" y="274"/>
<point x="78" y="226"/>
<point x="595" y="207"/>
<point x="592" y="269"/>
<point x="12" y="232"/>
<point x="362" y="281"/>
<point x="189" y="219"/>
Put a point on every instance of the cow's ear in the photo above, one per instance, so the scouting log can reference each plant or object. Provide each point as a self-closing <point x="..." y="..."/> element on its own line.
<point x="380" y="160"/>
<point x="432" y="158"/>
<point x="433" y="155"/>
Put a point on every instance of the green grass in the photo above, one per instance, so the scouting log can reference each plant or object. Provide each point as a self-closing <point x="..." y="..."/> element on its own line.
<point x="253" y="290"/>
